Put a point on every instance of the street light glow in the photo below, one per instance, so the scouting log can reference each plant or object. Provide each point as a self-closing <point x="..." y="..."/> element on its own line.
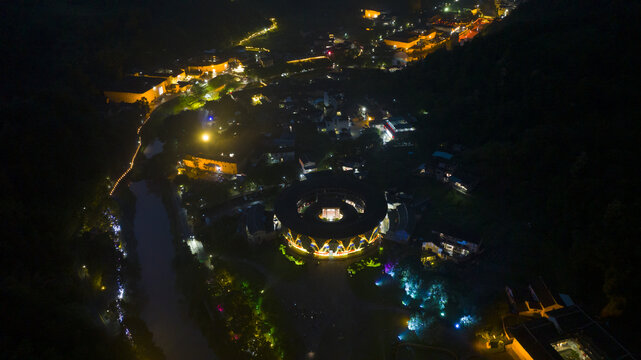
<point x="205" y="137"/>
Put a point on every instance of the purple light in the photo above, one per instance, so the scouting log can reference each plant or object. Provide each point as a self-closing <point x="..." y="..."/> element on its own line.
<point x="389" y="269"/>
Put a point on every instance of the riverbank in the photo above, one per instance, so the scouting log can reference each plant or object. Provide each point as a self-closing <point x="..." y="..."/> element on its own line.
<point x="165" y="312"/>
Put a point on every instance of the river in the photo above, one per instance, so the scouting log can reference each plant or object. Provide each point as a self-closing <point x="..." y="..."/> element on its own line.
<point x="165" y="311"/>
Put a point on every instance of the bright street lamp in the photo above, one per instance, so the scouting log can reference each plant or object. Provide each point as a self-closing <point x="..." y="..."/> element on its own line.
<point x="205" y="137"/>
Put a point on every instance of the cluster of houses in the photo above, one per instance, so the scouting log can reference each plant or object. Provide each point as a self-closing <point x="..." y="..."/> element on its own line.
<point x="333" y="114"/>
<point x="413" y="41"/>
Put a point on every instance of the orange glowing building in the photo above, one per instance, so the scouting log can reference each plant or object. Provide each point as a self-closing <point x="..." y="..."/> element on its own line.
<point x="149" y="86"/>
<point x="409" y="40"/>
<point x="371" y="14"/>
<point x="401" y="42"/>
<point x="210" y="69"/>
<point x="211" y="165"/>
<point x="134" y="88"/>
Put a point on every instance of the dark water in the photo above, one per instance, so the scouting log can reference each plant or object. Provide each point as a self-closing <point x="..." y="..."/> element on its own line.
<point x="165" y="312"/>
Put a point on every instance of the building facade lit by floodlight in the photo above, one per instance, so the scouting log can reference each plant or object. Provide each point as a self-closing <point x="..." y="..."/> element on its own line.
<point x="331" y="215"/>
<point x="371" y="14"/>
<point x="222" y="165"/>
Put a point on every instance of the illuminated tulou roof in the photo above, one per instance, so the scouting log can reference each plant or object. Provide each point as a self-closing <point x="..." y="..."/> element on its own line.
<point x="361" y="207"/>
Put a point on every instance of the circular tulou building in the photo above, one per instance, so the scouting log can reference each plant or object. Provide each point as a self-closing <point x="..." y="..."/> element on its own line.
<point x="330" y="215"/>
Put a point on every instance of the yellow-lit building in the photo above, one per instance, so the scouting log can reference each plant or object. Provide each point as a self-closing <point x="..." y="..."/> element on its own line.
<point x="518" y="351"/>
<point x="134" y="88"/>
<point x="211" y="165"/>
<point x="371" y="14"/>
<point x="429" y="35"/>
<point x="536" y="301"/>
<point x="407" y="41"/>
<point x="401" y="42"/>
<point x="567" y="333"/>
<point x="538" y="309"/>
<point x="210" y="69"/>
<point x="176" y="76"/>
<point x="178" y="87"/>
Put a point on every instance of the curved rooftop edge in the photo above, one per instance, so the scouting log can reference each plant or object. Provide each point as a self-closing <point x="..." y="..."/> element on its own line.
<point x="286" y="208"/>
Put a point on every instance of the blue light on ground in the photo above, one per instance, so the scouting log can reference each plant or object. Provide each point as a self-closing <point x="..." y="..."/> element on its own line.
<point x="404" y="335"/>
<point x="415" y="323"/>
<point x="467" y="320"/>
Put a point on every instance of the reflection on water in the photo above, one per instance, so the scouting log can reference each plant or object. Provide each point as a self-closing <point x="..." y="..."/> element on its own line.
<point x="165" y="311"/>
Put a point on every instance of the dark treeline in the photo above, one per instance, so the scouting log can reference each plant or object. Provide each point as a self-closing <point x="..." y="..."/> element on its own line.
<point x="546" y="103"/>
<point x="59" y="143"/>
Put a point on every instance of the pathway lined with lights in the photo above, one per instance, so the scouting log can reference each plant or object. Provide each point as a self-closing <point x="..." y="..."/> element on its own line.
<point x="133" y="158"/>
<point x="264" y="31"/>
<point x="296" y="61"/>
<point x="139" y="133"/>
<point x="119" y="246"/>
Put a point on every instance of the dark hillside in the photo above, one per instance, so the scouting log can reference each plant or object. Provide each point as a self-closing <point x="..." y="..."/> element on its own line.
<point x="546" y="103"/>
